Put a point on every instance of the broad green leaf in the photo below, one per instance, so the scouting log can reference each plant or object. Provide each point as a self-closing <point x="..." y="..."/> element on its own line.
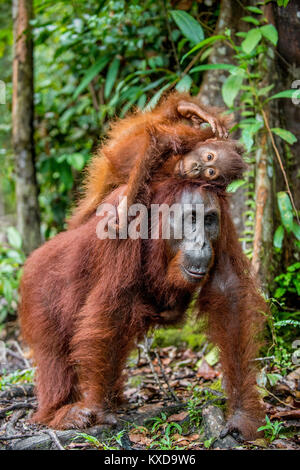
<point x="189" y="27"/>
<point x="91" y="73"/>
<point x="231" y="87"/>
<point x="251" y="40"/>
<point x="203" y="43"/>
<point x="14" y="238"/>
<point x="274" y="378"/>
<point x="285" y="135"/>
<point x="270" y="32"/>
<point x="280" y="291"/>
<point x="7" y="290"/>
<point x="285" y="209"/>
<point x="296" y="230"/>
<point x="76" y="160"/>
<point x="184" y="84"/>
<point x="111" y="76"/>
<point x="235" y="185"/>
<point x="200" y="68"/>
<point x="278" y="237"/>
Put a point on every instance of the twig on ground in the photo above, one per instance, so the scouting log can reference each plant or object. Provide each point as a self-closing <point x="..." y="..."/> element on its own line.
<point x="172" y="392"/>
<point x="22" y="356"/>
<point x="16" y="436"/>
<point x="276" y="398"/>
<point x="146" y="350"/>
<point x="16" y="406"/>
<point x="55" y="439"/>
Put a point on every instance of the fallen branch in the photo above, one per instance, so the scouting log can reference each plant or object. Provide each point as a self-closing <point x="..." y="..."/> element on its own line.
<point x="55" y="439"/>
<point x="16" y="406"/>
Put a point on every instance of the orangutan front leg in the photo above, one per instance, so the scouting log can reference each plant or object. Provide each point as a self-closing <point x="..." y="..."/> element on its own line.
<point x="197" y="115"/>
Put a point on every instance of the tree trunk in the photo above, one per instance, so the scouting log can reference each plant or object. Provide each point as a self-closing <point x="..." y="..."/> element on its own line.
<point x="28" y="218"/>
<point x="268" y="177"/>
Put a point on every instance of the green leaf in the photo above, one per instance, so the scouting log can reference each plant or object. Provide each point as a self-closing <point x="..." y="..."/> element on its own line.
<point x="274" y="378"/>
<point x="90" y="74"/>
<point x="14" y="238"/>
<point x="255" y="10"/>
<point x="235" y="185"/>
<point x="184" y="84"/>
<point x="250" y="19"/>
<point x="264" y="90"/>
<point x="111" y="76"/>
<point x="200" y="68"/>
<point x="296" y="230"/>
<point x="76" y="160"/>
<point x="284" y="94"/>
<point x="270" y="32"/>
<point x="189" y="27"/>
<point x="203" y="43"/>
<point x="155" y="99"/>
<point x="251" y="40"/>
<point x="285" y="135"/>
<point x="285" y="209"/>
<point x="280" y="291"/>
<point x="231" y="87"/>
<point x="7" y="290"/>
<point x="278" y="237"/>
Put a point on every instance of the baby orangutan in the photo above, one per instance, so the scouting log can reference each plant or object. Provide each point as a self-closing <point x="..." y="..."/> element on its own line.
<point x="213" y="160"/>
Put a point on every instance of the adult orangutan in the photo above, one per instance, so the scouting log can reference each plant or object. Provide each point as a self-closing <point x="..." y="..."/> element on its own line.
<point x="85" y="301"/>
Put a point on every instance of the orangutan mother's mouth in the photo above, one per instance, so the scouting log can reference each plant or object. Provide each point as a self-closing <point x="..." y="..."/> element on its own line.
<point x="194" y="273"/>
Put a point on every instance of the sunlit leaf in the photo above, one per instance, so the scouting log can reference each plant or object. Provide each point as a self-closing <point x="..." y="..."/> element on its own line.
<point x="278" y="237"/>
<point x="14" y="238"/>
<point x="270" y="32"/>
<point x="91" y="73"/>
<point x="285" y="135"/>
<point x="203" y="43"/>
<point x="200" y="68"/>
<point x="189" y="27"/>
<point x="231" y="87"/>
<point x="111" y="77"/>
<point x="184" y="84"/>
<point x="235" y="185"/>
<point x="285" y="209"/>
<point x="251" y="40"/>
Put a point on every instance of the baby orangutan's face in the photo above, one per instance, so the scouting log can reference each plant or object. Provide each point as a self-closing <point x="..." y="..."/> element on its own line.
<point x="213" y="160"/>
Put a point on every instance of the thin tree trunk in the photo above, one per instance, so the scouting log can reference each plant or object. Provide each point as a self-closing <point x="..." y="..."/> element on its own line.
<point x="28" y="218"/>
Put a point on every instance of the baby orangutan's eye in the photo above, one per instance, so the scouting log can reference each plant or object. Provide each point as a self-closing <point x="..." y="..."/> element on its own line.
<point x="209" y="157"/>
<point x="210" y="173"/>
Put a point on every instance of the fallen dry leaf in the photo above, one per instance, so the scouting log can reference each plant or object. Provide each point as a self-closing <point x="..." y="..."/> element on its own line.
<point x="139" y="439"/>
<point x="206" y="371"/>
<point x="178" y="417"/>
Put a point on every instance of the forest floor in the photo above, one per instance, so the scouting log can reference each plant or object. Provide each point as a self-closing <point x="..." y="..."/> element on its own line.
<point x="175" y="402"/>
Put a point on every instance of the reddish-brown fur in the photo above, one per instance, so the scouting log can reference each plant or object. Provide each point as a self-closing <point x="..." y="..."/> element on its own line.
<point x="121" y="157"/>
<point x="85" y="301"/>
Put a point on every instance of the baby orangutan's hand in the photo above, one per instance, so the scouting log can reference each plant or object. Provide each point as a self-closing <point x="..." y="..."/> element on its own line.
<point x="194" y="112"/>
